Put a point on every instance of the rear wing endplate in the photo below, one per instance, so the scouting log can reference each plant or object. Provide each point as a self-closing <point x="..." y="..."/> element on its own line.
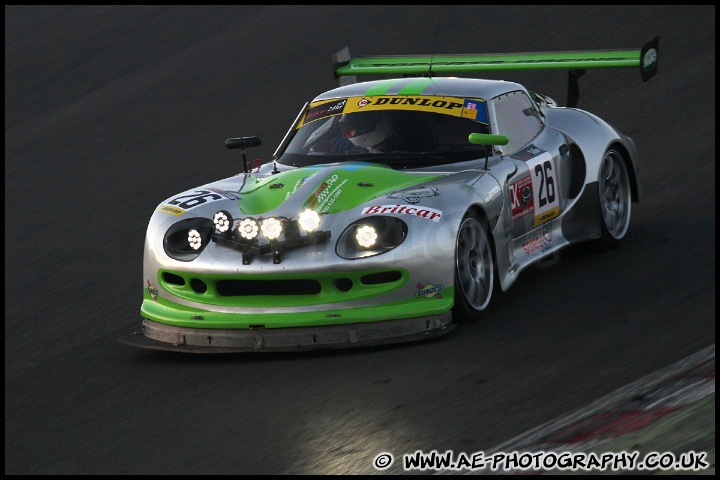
<point x="347" y="68"/>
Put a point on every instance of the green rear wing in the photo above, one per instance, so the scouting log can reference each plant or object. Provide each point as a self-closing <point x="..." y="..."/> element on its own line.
<point x="347" y="68"/>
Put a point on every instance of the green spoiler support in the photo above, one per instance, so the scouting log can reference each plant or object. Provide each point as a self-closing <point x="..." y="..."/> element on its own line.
<point x="346" y="68"/>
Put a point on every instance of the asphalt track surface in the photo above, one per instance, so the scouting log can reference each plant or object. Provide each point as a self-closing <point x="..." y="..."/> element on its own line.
<point x="111" y="109"/>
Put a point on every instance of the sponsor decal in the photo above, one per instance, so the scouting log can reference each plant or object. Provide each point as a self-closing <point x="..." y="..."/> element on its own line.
<point x="171" y="210"/>
<point x="538" y="242"/>
<point x="455" y="106"/>
<point x="323" y="110"/>
<point x="298" y="184"/>
<point x="429" y="290"/>
<point x="418" y="211"/>
<point x="474" y="110"/>
<point x="325" y="194"/>
<point x="521" y="199"/>
<point x="151" y="290"/>
<point x="414" y="195"/>
<point x="528" y="153"/>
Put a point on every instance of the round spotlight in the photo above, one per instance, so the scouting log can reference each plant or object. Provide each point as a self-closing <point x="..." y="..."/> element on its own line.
<point x="222" y="221"/>
<point x="309" y="220"/>
<point x="271" y="228"/>
<point x="194" y="239"/>
<point x="248" y="228"/>
<point x="366" y="236"/>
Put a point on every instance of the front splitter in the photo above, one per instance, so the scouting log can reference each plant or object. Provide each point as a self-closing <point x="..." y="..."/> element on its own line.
<point x="158" y="336"/>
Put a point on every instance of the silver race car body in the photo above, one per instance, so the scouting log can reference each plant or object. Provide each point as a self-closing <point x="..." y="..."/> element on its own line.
<point x="397" y="234"/>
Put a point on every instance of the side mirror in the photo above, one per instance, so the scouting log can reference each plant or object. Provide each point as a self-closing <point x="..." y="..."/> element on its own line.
<point x="487" y="139"/>
<point x="243" y="143"/>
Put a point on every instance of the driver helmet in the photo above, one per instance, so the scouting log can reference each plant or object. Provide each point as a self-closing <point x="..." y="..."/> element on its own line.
<point x="365" y="129"/>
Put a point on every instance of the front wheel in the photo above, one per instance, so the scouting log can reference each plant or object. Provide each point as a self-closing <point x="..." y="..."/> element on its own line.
<point x="615" y="200"/>
<point x="474" y="269"/>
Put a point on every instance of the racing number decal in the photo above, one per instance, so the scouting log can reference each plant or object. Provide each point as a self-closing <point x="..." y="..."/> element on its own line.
<point x="192" y="200"/>
<point x="547" y="183"/>
<point x="544" y="180"/>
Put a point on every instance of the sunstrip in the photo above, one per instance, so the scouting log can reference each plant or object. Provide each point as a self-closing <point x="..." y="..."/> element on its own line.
<point x="645" y="58"/>
<point x="454" y="106"/>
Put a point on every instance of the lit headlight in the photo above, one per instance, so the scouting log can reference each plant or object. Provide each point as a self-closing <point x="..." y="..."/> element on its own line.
<point x="271" y="228"/>
<point x="366" y="236"/>
<point x="370" y="236"/>
<point x="222" y="221"/>
<point x="248" y="228"/>
<point x="309" y="220"/>
<point x="194" y="239"/>
<point x="186" y="239"/>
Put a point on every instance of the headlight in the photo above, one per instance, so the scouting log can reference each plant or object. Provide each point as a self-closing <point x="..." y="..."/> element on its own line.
<point x="371" y="236"/>
<point x="366" y="236"/>
<point x="186" y="239"/>
<point x="194" y="239"/>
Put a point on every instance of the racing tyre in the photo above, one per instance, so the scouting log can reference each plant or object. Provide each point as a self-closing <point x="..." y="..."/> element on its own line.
<point x="615" y="200"/>
<point x="474" y="269"/>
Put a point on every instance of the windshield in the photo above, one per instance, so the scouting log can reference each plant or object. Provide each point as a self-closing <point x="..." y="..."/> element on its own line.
<point x="400" y="131"/>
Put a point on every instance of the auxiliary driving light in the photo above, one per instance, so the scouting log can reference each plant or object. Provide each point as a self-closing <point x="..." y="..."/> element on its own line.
<point x="271" y="228"/>
<point x="222" y="221"/>
<point x="309" y="220"/>
<point x="248" y="228"/>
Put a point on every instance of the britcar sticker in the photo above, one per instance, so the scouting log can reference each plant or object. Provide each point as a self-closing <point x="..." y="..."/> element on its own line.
<point x="429" y="290"/>
<point x="323" y="110"/>
<point x="521" y="198"/>
<point x="418" y="211"/>
<point x="545" y="187"/>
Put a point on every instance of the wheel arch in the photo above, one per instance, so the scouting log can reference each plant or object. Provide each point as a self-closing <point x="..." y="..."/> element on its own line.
<point x="631" y="169"/>
<point x="461" y="310"/>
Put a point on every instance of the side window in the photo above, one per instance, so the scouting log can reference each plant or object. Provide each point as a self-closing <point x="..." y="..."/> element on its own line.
<point x="516" y="118"/>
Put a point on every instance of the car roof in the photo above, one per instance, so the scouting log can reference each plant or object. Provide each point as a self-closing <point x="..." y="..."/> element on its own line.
<point x="442" y="86"/>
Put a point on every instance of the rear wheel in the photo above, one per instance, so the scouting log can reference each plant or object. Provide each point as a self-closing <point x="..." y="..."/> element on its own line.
<point x="615" y="200"/>
<point x="474" y="269"/>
